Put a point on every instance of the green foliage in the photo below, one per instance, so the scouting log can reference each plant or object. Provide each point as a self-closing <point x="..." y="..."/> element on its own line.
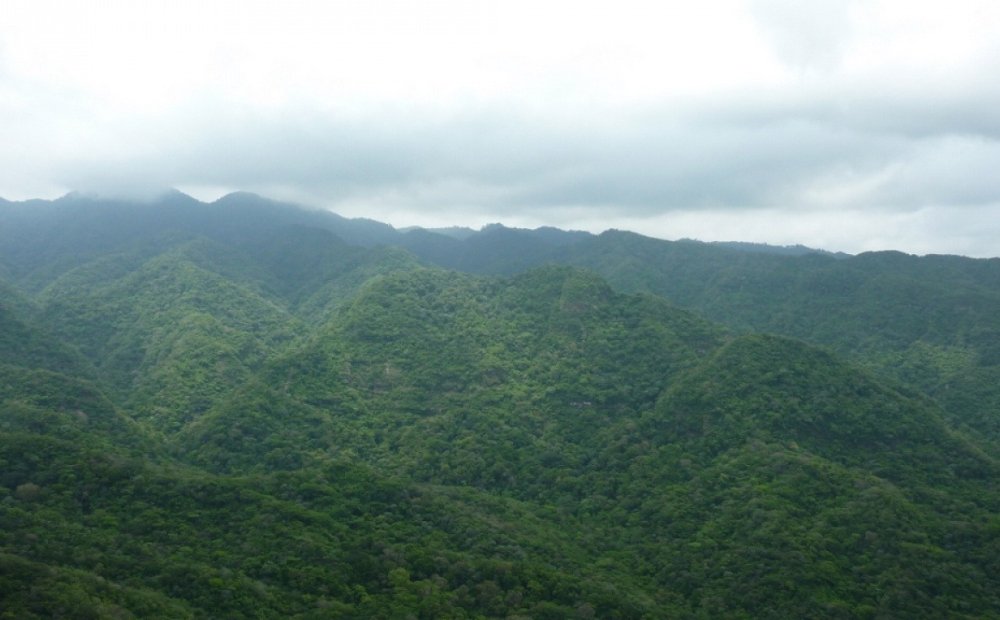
<point x="900" y="316"/>
<point x="54" y="405"/>
<point x="771" y="388"/>
<point x="36" y="590"/>
<point x="172" y="336"/>
<point x="241" y="415"/>
<point x="24" y="344"/>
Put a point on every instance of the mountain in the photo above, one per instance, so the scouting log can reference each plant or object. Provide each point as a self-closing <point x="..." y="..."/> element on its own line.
<point x="247" y="409"/>
<point x="424" y="361"/>
<point x="26" y="344"/>
<point x="40" y="240"/>
<point x="785" y="250"/>
<point x="927" y="322"/>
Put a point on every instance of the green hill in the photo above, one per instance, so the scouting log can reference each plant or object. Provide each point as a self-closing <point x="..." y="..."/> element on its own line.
<point x="169" y="336"/>
<point x="245" y="409"/>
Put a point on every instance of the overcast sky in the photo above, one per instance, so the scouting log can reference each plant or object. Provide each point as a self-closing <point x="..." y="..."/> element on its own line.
<point x="844" y="125"/>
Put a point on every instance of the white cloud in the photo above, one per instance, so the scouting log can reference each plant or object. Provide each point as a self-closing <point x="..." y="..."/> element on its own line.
<point x="830" y="116"/>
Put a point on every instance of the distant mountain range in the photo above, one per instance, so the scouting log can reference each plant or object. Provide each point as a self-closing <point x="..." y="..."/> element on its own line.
<point x="249" y="409"/>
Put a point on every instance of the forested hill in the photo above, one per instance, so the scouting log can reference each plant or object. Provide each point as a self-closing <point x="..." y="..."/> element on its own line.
<point x="928" y="322"/>
<point x="246" y="409"/>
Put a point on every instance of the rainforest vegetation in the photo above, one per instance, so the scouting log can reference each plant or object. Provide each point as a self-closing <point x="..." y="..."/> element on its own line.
<point x="245" y="409"/>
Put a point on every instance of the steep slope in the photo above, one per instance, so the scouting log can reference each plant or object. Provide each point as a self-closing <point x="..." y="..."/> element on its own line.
<point x="25" y="344"/>
<point x="519" y="369"/>
<point x="96" y="521"/>
<point x="169" y="336"/>
<point x="314" y="272"/>
<point x="15" y="301"/>
<point x="756" y="477"/>
<point x="48" y="389"/>
<point x="929" y="322"/>
<point x="764" y="387"/>
<point x="776" y="481"/>
<point x="328" y="430"/>
<point x="41" y="240"/>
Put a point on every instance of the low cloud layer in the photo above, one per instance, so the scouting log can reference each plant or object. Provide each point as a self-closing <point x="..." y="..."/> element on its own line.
<point x="854" y="140"/>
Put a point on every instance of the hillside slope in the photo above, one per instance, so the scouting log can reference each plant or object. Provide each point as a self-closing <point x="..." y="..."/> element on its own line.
<point x="250" y="413"/>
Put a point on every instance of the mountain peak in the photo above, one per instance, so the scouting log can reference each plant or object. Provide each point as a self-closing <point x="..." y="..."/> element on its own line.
<point x="242" y="196"/>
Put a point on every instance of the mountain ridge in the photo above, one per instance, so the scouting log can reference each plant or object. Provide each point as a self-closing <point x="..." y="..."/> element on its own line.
<point x="235" y="411"/>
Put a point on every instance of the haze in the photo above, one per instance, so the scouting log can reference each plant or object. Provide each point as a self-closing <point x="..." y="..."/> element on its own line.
<point x="848" y="126"/>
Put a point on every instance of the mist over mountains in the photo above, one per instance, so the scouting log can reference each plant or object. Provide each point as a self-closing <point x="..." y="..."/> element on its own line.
<point x="249" y="409"/>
